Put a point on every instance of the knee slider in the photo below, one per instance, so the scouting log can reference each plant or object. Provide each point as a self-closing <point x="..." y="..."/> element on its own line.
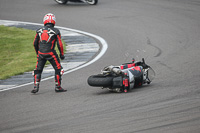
<point x="57" y="71"/>
<point x="36" y="72"/>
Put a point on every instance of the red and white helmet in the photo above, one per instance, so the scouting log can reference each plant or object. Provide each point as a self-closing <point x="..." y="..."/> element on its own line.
<point x="49" y="18"/>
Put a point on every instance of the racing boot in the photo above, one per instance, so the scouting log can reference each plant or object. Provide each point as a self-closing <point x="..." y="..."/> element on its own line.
<point x="37" y="76"/>
<point x="59" y="88"/>
<point x="58" y="79"/>
<point x="36" y="88"/>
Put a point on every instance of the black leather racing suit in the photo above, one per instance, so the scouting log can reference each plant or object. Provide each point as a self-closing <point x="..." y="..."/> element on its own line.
<point x="44" y="44"/>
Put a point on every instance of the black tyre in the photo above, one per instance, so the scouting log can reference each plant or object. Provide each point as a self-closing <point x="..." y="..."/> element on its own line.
<point x="92" y="2"/>
<point x="100" y="81"/>
<point x="61" y="1"/>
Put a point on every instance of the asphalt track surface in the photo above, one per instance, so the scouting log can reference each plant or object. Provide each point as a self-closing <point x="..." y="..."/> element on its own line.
<point x="165" y="32"/>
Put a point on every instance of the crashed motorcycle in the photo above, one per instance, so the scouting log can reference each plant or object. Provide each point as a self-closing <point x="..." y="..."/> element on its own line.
<point x="123" y="78"/>
<point x="91" y="2"/>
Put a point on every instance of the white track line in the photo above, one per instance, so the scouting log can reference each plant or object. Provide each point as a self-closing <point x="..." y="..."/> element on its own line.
<point x="101" y="53"/>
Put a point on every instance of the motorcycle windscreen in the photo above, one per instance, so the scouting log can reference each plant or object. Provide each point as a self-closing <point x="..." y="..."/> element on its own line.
<point x="151" y="74"/>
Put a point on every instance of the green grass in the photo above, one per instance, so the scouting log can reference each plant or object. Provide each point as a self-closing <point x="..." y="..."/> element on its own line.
<point x="17" y="51"/>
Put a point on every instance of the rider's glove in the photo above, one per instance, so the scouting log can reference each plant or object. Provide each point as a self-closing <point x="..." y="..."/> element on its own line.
<point x="62" y="57"/>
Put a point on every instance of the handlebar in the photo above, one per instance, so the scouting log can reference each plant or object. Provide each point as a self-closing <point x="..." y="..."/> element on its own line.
<point x="143" y="61"/>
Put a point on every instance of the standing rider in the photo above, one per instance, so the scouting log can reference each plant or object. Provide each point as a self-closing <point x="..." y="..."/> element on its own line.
<point x="44" y="44"/>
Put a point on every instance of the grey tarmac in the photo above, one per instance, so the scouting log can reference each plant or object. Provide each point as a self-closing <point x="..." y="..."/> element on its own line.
<point x="165" y="32"/>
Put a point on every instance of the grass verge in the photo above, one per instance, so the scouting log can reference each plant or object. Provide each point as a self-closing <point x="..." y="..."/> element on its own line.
<point x="17" y="51"/>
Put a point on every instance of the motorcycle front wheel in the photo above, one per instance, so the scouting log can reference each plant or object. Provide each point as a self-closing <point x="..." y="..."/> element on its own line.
<point x="92" y="2"/>
<point x="61" y="1"/>
<point x="100" y="81"/>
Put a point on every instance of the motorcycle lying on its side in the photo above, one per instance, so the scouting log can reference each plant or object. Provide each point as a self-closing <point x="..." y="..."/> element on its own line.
<point x="123" y="78"/>
<point x="91" y="2"/>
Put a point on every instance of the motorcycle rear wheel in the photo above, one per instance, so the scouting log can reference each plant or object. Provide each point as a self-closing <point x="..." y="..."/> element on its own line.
<point x="61" y="1"/>
<point x="100" y="81"/>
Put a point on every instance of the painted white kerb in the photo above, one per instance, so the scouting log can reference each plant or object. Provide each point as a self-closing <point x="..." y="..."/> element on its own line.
<point x="101" y="53"/>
